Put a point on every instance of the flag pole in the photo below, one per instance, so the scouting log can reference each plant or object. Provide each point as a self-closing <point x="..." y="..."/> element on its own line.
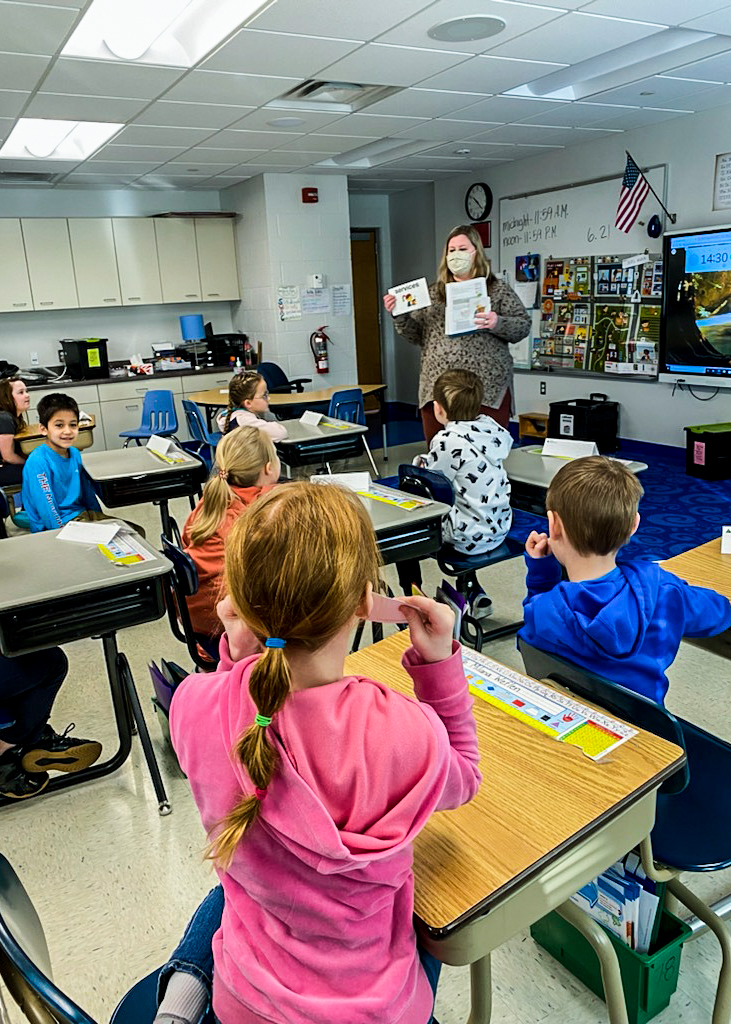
<point x="671" y="216"/>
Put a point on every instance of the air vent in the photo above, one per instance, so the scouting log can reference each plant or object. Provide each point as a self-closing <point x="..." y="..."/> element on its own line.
<point x="340" y="96"/>
<point x="28" y="178"/>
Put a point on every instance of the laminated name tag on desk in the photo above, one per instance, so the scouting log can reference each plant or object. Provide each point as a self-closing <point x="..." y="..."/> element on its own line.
<point x="165" y="449"/>
<point x="726" y="540"/>
<point x="562" y="448"/>
<point x="89" y="533"/>
<point x="353" y="481"/>
<point x="310" y="418"/>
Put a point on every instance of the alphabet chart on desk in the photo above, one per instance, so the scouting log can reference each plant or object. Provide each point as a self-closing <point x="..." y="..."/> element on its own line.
<point x="544" y="708"/>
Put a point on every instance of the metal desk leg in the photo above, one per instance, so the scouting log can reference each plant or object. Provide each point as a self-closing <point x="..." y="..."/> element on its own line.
<point x="125" y="675"/>
<point x="165" y="517"/>
<point x="480" y="991"/>
<point x="384" y="424"/>
<point x="611" y="978"/>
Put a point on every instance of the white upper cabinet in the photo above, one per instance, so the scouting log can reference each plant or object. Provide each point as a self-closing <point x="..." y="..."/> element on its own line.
<point x="15" y="296"/>
<point x="50" y="266"/>
<point x="217" y="258"/>
<point x="178" y="259"/>
<point x="139" y="276"/>
<point x="95" y="261"/>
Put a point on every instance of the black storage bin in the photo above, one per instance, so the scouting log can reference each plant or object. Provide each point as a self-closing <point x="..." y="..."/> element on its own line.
<point x="708" y="451"/>
<point x="586" y="419"/>
<point x="86" y="358"/>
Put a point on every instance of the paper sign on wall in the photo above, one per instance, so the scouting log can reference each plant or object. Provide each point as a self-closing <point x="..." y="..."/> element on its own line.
<point x="562" y="448"/>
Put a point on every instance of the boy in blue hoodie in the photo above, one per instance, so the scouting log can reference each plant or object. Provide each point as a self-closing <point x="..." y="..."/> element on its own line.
<point x="623" y="620"/>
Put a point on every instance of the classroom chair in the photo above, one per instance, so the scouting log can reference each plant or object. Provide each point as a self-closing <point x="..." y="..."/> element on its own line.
<point x="430" y="484"/>
<point x="159" y="417"/>
<point x="8" y="508"/>
<point x="182" y="584"/>
<point x="348" y="405"/>
<point x="204" y="440"/>
<point x="692" y="829"/>
<point x="277" y="380"/>
<point x="25" y="966"/>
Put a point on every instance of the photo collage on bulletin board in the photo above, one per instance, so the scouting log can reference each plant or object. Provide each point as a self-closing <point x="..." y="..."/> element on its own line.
<point x="600" y="315"/>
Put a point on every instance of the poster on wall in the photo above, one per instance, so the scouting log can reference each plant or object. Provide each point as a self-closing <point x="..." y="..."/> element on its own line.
<point x="722" y="182"/>
<point x="288" y="302"/>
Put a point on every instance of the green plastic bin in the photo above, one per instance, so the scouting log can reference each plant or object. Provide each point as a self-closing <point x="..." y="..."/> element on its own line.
<point x="649" y="979"/>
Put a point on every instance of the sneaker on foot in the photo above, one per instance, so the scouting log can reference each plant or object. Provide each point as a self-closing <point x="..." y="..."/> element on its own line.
<point x="16" y="784"/>
<point x="60" y="752"/>
<point x="481" y="607"/>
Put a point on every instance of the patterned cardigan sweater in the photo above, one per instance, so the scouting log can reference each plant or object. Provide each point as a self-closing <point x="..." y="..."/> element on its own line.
<point x="486" y="353"/>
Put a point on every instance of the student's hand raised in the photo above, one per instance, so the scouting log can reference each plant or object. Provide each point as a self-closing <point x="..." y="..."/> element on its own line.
<point x="431" y="625"/>
<point x="538" y="545"/>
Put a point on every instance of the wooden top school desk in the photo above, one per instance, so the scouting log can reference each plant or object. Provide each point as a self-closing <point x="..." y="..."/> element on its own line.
<point x="545" y="821"/>
<point x="30" y="436"/>
<point x="530" y="475"/>
<point x="307" y="444"/>
<point x="705" y="566"/>
<point x="127" y="476"/>
<point x="64" y="591"/>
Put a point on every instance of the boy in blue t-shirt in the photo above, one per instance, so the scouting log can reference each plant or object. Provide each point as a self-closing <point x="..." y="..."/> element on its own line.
<point x="623" y="620"/>
<point x="56" y="487"/>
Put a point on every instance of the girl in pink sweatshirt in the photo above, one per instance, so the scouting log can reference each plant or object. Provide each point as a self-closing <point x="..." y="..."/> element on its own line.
<point x="312" y="784"/>
<point x="248" y="406"/>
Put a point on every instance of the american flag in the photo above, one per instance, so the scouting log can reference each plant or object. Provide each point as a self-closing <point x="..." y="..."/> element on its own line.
<point x="633" y="194"/>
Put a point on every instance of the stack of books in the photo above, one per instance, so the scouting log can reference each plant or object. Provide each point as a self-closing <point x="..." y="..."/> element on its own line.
<point x="625" y="901"/>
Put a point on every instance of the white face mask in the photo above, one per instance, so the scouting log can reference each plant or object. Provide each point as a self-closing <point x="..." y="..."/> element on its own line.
<point x="459" y="261"/>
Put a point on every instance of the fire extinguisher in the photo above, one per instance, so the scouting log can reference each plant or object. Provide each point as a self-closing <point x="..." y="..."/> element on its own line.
<point x="318" y="343"/>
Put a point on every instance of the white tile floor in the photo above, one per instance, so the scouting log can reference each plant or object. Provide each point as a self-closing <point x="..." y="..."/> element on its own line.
<point x="114" y="883"/>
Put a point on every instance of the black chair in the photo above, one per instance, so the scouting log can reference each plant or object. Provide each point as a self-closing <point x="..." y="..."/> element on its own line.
<point x="183" y="584"/>
<point x="430" y="484"/>
<point x="25" y="966"/>
<point x="692" y="829"/>
<point x="277" y="380"/>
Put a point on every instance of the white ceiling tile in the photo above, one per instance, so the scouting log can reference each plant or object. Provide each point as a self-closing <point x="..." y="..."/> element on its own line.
<point x="718" y="96"/>
<point x="655" y="92"/>
<point x="422" y="103"/>
<point x="157" y="135"/>
<point x="114" y="167"/>
<point x="98" y="180"/>
<point x="521" y="152"/>
<point x="572" y="38"/>
<point x="83" y="108"/>
<point x="109" y="78"/>
<point x="191" y="115"/>
<point x="481" y="150"/>
<point x="662" y="12"/>
<point x="258" y="53"/>
<point x="527" y="134"/>
<point x="376" y="64"/>
<point x="224" y="87"/>
<point x="328" y="144"/>
<point x="234" y="138"/>
<point x="443" y="128"/>
<point x="196" y="169"/>
<point x="152" y="154"/>
<point x="76" y="4"/>
<point x="508" y="108"/>
<point x="229" y="157"/>
<point x="335" y="18"/>
<point x="569" y="115"/>
<point x="280" y="158"/>
<point x="712" y="69"/>
<point x="631" y="119"/>
<point x="258" y="120"/>
<point x="517" y="17"/>
<point x="11" y="102"/>
<point x="21" y="71"/>
<point x="488" y="75"/>
<point x="376" y="126"/>
<point x="718" y="21"/>
<point x="34" y="29"/>
<point x="569" y="5"/>
<point x="49" y="166"/>
<point x="6" y="125"/>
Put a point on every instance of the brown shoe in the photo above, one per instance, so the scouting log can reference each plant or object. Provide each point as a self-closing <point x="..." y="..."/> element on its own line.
<point x="60" y="752"/>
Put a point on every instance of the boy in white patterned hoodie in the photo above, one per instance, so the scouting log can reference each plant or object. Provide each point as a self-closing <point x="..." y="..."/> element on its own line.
<point x="469" y="451"/>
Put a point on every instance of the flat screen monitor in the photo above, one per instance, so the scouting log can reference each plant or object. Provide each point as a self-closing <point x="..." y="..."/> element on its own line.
<point x="695" y="330"/>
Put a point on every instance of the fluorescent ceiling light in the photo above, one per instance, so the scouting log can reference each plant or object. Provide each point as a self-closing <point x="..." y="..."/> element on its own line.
<point x="176" y="33"/>
<point x="640" y="59"/>
<point x="37" y="139"/>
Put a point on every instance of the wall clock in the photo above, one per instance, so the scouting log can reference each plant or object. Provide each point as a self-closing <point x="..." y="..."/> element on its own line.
<point x="478" y="201"/>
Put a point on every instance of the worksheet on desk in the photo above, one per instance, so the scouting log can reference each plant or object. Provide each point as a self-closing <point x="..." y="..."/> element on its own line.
<point x="543" y="708"/>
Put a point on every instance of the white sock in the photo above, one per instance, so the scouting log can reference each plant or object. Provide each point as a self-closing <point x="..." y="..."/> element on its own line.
<point x="184" y="1000"/>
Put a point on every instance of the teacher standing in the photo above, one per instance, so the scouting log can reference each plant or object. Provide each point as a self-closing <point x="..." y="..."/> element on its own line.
<point x="484" y="351"/>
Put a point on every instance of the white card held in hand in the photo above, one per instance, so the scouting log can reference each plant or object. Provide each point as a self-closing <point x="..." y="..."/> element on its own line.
<point x="386" y="609"/>
<point x="410" y="296"/>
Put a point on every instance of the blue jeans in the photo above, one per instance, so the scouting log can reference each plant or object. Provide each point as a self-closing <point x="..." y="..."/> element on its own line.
<point x="194" y="953"/>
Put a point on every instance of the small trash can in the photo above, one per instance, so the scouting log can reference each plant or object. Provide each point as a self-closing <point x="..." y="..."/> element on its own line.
<point x="586" y="419"/>
<point x="649" y="979"/>
<point x="708" y="451"/>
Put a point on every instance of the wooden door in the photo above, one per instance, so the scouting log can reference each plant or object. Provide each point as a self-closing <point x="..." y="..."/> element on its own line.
<point x="366" y="307"/>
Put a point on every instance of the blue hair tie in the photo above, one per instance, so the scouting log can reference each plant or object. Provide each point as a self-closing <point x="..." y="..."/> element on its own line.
<point x="274" y="641"/>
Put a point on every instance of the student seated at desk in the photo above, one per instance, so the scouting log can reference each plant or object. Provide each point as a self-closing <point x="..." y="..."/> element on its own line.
<point x="248" y="406"/>
<point x="312" y="785"/>
<point x="469" y="450"/>
<point x="246" y="467"/>
<point x="29" y="747"/>
<point x="14" y="402"/>
<point x="56" y="487"/>
<point x="622" y="619"/>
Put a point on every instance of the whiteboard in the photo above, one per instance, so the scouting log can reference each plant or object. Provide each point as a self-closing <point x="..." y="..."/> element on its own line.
<point x="574" y="221"/>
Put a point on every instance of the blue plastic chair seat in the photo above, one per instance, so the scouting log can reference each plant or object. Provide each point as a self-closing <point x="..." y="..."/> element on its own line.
<point x="158" y="417"/>
<point x="456" y="562"/>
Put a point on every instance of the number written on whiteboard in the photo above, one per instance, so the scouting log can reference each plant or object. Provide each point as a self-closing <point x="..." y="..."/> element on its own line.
<point x="601" y="232"/>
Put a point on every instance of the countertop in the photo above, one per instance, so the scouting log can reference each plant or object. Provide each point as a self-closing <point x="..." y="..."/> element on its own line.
<point x="68" y="384"/>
